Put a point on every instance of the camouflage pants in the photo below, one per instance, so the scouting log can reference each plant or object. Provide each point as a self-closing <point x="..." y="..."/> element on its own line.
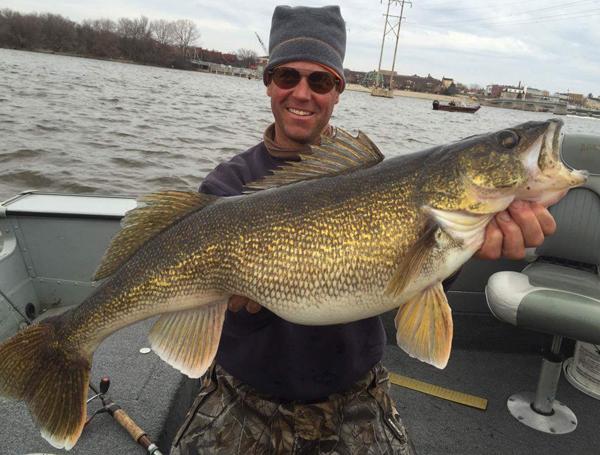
<point x="229" y="418"/>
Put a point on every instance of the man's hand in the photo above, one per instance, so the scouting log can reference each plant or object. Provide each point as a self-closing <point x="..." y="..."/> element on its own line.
<point x="237" y="302"/>
<point x="523" y="225"/>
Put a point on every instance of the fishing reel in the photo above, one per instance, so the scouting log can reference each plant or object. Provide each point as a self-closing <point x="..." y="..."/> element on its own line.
<point x="99" y="394"/>
<point x="110" y="407"/>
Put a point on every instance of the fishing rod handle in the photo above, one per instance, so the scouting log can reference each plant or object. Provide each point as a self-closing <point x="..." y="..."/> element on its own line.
<point x="136" y="432"/>
<point x="125" y="421"/>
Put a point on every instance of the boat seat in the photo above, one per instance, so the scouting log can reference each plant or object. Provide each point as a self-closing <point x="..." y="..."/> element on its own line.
<point x="556" y="307"/>
<point x="559" y="293"/>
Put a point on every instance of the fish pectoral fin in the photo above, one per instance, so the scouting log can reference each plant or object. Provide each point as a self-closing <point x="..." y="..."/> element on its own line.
<point x="461" y="225"/>
<point x="335" y="155"/>
<point x="155" y="212"/>
<point x="188" y="340"/>
<point x="413" y="261"/>
<point x="424" y="326"/>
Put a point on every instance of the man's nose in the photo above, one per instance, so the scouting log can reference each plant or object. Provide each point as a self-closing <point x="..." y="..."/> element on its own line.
<point x="302" y="90"/>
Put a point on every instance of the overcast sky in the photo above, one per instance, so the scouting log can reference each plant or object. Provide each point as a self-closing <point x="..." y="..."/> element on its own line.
<point x="546" y="44"/>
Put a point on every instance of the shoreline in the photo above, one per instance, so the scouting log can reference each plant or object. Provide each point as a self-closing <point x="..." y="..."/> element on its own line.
<point x="409" y="94"/>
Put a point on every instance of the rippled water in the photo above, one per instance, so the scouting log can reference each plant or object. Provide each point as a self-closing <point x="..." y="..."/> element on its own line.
<point x="87" y="126"/>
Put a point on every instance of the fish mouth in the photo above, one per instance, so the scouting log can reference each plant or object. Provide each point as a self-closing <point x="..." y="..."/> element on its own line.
<point x="550" y="151"/>
<point x="548" y="177"/>
<point x="544" y="151"/>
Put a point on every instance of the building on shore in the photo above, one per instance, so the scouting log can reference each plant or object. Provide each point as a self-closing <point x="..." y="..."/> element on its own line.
<point x="576" y="99"/>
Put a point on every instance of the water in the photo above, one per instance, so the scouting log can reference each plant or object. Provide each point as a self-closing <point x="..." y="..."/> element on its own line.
<point x="87" y="126"/>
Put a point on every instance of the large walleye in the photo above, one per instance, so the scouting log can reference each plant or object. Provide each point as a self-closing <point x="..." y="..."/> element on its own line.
<point x="338" y="236"/>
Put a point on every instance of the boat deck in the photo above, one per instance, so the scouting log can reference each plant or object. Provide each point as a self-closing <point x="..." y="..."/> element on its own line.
<point x="157" y="397"/>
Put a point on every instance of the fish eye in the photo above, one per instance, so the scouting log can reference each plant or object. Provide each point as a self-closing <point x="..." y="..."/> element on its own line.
<point x="508" y="139"/>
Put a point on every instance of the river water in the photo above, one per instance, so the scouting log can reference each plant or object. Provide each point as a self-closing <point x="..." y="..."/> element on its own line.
<point x="87" y="126"/>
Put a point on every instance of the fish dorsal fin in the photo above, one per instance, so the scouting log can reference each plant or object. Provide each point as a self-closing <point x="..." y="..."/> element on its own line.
<point x="336" y="155"/>
<point x="154" y="213"/>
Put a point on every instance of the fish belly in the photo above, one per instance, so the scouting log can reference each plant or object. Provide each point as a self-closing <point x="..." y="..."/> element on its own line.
<point x="348" y="307"/>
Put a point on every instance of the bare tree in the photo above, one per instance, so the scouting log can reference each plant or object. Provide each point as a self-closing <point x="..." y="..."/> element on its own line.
<point x="163" y="32"/>
<point x="186" y="33"/>
<point x="21" y="31"/>
<point x="58" y="33"/>
<point x="134" y="28"/>
<point x="99" y="38"/>
<point x="135" y="38"/>
<point x="101" y="25"/>
<point x="247" y="57"/>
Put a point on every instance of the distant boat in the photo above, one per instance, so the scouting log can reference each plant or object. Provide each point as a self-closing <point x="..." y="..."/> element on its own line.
<point x="453" y="107"/>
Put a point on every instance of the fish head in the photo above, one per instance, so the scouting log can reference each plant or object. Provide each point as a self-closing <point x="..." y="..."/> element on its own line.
<point x="522" y="162"/>
<point x="548" y="178"/>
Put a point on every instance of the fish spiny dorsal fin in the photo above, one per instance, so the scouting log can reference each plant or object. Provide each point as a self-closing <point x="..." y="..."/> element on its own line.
<point x="155" y="212"/>
<point x="412" y="263"/>
<point x="336" y="155"/>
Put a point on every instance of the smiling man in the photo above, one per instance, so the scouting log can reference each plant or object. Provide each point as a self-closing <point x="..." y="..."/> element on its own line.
<point x="278" y="387"/>
<point x="283" y="388"/>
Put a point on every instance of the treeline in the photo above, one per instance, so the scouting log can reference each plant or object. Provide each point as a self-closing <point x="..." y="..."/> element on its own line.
<point x="158" y="42"/>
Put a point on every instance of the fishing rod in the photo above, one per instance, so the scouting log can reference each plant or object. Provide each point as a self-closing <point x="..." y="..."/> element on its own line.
<point x="120" y="416"/>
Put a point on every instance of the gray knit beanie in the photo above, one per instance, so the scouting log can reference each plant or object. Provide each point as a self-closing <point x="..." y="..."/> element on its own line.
<point x="303" y="33"/>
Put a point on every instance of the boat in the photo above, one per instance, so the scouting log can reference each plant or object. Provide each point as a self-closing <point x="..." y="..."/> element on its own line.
<point x="50" y="245"/>
<point x="382" y="92"/>
<point x="453" y="107"/>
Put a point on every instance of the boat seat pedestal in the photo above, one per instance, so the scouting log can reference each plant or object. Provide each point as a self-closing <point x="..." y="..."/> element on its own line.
<point x="541" y="410"/>
<point x="568" y="306"/>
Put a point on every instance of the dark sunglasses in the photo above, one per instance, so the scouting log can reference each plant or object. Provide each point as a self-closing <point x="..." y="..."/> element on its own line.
<point x="319" y="81"/>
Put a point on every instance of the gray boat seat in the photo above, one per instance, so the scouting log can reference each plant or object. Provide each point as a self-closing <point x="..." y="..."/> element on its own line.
<point x="549" y="298"/>
<point x="559" y="293"/>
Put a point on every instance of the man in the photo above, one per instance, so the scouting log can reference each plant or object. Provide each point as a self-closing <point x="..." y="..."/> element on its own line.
<point x="282" y="388"/>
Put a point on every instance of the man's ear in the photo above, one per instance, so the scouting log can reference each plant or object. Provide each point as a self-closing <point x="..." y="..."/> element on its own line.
<point x="269" y="90"/>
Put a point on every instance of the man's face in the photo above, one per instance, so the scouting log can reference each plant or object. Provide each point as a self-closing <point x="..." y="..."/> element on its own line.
<point x="300" y="114"/>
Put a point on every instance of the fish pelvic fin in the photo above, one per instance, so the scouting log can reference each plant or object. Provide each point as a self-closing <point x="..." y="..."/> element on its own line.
<point x="37" y="367"/>
<point x="188" y="340"/>
<point x="339" y="154"/>
<point x="155" y="212"/>
<point x="412" y="263"/>
<point x="424" y="326"/>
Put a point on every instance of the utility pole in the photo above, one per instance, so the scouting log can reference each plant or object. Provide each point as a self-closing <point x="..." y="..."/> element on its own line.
<point x="264" y="48"/>
<point x="395" y="29"/>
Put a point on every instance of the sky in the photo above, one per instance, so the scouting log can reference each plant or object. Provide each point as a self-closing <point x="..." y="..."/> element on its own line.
<point x="551" y="45"/>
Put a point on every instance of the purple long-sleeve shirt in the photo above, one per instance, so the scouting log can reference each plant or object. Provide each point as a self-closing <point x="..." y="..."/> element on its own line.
<point x="280" y="359"/>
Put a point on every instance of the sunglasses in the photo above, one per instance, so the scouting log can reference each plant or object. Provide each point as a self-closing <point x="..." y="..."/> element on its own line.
<point x="319" y="81"/>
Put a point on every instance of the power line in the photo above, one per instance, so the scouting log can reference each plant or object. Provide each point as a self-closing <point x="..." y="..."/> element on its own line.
<point x="533" y="20"/>
<point x="440" y="5"/>
<point x="503" y="4"/>
<point x="487" y="19"/>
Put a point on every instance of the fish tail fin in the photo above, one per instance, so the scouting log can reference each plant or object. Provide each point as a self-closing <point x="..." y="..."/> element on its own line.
<point x="188" y="340"/>
<point x="424" y="326"/>
<point x="37" y="367"/>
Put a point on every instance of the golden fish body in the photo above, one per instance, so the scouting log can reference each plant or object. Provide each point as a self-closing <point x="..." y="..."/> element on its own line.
<point x="337" y="237"/>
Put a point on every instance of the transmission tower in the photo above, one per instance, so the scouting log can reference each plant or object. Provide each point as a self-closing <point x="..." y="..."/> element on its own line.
<point x="392" y="25"/>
